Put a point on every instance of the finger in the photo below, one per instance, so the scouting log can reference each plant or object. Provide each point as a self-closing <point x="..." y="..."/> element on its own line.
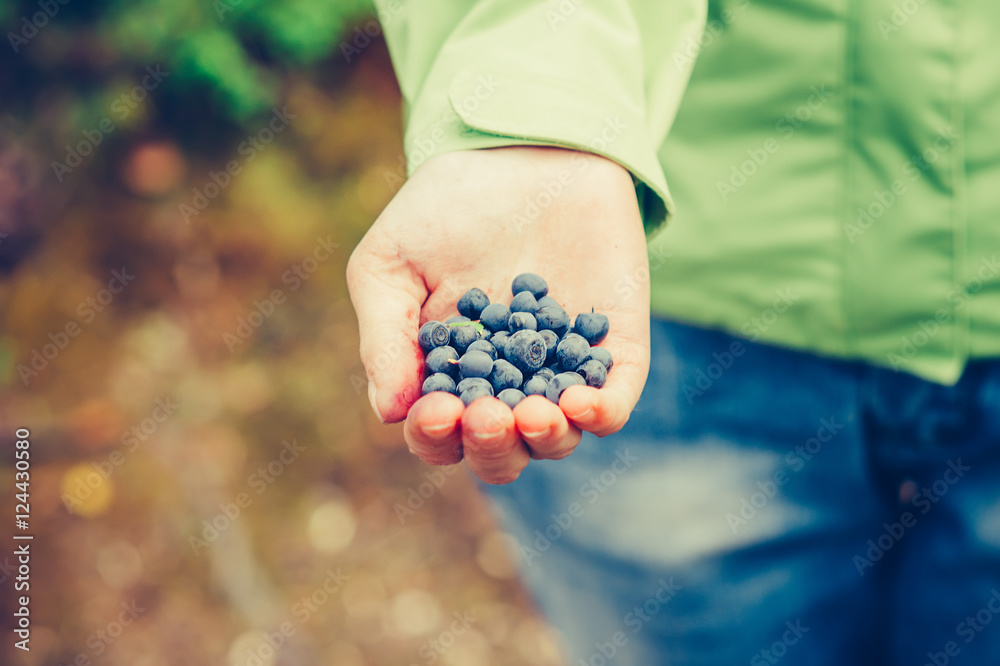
<point x="544" y="428"/>
<point x="387" y="294"/>
<point x="433" y="429"/>
<point x="491" y="446"/>
<point x="605" y="410"/>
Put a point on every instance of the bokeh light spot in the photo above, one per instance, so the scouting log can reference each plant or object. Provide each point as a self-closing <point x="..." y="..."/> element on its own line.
<point x="331" y="526"/>
<point x="85" y="491"/>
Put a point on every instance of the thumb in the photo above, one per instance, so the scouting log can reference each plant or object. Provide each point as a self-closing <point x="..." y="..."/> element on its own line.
<point x="387" y="294"/>
<point x="604" y="411"/>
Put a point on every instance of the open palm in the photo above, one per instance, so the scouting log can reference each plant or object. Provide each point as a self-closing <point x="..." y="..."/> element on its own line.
<point x="477" y="219"/>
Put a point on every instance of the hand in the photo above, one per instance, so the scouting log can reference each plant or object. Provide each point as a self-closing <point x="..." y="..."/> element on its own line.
<point x="477" y="219"/>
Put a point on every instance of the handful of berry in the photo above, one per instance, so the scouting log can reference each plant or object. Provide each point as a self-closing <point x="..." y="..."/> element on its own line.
<point x="527" y="348"/>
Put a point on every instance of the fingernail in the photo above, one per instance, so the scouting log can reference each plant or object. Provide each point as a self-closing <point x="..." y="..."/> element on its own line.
<point x="536" y="435"/>
<point x="373" y="399"/>
<point x="436" y="429"/>
<point x="487" y="436"/>
<point x="584" y="415"/>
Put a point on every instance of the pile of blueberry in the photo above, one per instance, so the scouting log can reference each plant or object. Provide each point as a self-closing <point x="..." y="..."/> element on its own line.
<point x="527" y="348"/>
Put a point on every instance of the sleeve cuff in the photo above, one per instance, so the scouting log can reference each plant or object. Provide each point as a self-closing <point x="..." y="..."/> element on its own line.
<point x="489" y="107"/>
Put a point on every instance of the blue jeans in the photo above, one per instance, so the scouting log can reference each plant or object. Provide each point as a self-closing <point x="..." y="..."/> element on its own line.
<point x="769" y="506"/>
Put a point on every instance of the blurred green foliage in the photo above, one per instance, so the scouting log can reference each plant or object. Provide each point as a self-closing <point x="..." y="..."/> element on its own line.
<point x="235" y="51"/>
<point x="223" y="43"/>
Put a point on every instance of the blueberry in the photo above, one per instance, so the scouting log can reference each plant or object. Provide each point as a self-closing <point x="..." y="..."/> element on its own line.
<point x="472" y="303"/>
<point x="505" y="376"/>
<point x="548" y="300"/>
<point x="510" y="397"/>
<point x="515" y="350"/>
<point x="529" y="282"/>
<point x="499" y="341"/>
<point x="572" y="351"/>
<point x="438" y="382"/>
<point x="483" y="346"/>
<point x="551" y="341"/>
<point x="560" y="383"/>
<point x="494" y="316"/>
<point x="521" y="321"/>
<point x="593" y="372"/>
<point x="470" y="382"/>
<point x="603" y="355"/>
<point x="475" y="364"/>
<point x="524" y="302"/>
<point x="433" y="334"/>
<point x="553" y="318"/>
<point x="463" y="335"/>
<point x="526" y="350"/>
<point x="592" y="326"/>
<point x="475" y="393"/>
<point x="546" y="373"/>
<point x="535" y="386"/>
<point x="442" y="360"/>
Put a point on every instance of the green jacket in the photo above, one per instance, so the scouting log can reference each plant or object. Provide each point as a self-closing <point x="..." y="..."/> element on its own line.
<point x="833" y="165"/>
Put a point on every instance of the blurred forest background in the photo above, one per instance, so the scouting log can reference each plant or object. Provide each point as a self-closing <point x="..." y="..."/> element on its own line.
<point x="181" y="183"/>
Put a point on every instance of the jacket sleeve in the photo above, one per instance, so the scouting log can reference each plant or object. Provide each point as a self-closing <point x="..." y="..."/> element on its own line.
<point x="602" y="76"/>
